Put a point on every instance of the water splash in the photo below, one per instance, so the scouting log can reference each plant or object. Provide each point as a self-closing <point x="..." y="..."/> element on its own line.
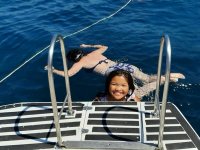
<point x="185" y="86"/>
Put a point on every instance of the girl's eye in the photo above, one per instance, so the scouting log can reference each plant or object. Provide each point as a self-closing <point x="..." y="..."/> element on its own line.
<point x="113" y="84"/>
<point x="124" y="85"/>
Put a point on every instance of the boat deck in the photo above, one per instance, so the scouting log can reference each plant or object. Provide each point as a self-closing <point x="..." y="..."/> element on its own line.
<point x="98" y="125"/>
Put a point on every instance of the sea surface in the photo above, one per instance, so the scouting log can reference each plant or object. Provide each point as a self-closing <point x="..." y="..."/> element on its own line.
<point x="131" y="29"/>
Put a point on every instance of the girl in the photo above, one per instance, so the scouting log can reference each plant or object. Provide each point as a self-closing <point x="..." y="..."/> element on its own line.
<point x="118" y="87"/>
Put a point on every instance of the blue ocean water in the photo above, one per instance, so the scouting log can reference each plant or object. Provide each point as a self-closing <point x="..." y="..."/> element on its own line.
<point x="132" y="34"/>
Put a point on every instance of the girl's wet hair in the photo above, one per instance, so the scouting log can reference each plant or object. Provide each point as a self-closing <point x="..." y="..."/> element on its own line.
<point x="75" y="55"/>
<point x="119" y="72"/>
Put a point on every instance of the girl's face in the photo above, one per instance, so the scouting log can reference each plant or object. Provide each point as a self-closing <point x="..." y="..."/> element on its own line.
<point x="118" y="88"/>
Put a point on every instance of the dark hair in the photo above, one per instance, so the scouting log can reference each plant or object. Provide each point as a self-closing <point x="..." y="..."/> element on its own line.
<point x="119" y="72"/>
<point x="75" y="55"/>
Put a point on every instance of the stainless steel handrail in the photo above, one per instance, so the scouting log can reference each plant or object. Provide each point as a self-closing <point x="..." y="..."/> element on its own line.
<point x="164" y="40"/>
<point x="52" y="87"/>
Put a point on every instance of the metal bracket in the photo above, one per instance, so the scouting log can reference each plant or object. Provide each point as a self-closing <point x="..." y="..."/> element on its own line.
<point x="70" y="114"/>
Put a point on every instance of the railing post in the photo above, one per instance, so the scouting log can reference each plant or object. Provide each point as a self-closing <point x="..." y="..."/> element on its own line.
<point x="157" y="113"/>
<point x="52" y="92"/>
<point x="67" y="85"/>
<point x="52" y="87"/>
<point x="156" y="102"/>
<point x="165" y="91"/>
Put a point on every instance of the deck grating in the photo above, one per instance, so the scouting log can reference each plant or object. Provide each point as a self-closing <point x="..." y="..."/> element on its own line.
<point x="30" y="125"/>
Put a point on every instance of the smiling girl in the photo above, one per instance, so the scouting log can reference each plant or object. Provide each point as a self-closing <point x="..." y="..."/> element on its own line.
<point x="119" y="87"/>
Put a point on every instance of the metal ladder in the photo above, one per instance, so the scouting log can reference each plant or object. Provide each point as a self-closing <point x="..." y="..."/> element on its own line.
<point x="70" y="112"/>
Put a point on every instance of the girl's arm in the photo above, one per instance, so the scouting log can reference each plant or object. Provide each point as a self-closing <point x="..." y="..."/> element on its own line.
<point x="100" y="48"/>
<point x="72" y="71"/>
<point x="75" y="68"/>
<point x="58" y="72"/>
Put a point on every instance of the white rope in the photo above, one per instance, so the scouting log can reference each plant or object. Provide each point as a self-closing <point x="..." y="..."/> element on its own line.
<point x="20" y="66"/>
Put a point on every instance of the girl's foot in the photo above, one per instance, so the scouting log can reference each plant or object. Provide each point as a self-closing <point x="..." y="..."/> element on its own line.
<point x="175" y="76"/>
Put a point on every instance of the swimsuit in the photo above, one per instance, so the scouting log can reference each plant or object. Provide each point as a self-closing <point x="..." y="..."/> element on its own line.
<point x="123" y="66"/>
<point x="101" y="61"/>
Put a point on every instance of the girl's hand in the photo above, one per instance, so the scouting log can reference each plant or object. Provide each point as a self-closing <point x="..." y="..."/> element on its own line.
<point x="83" y="45"/>
<point x="46" y="68"/>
